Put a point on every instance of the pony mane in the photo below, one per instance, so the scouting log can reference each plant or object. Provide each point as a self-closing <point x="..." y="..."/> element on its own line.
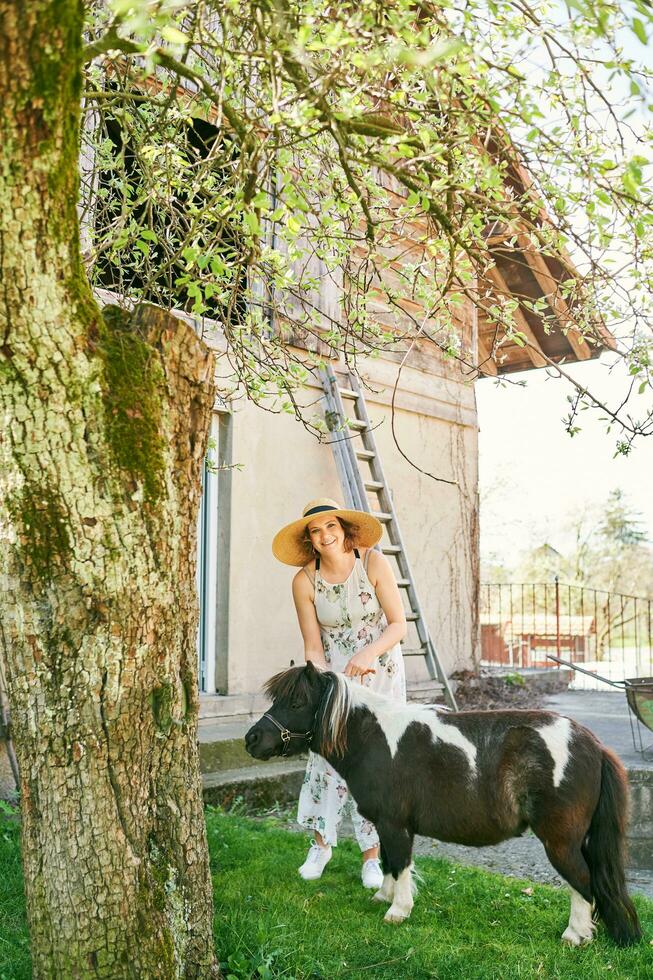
<point x="332" y="714"/>
<point x="333" y="710"/>
<point x="288" y="683"/>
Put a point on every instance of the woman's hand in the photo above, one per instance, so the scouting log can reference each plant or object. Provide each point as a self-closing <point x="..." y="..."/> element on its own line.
<point x="361" y="663"/>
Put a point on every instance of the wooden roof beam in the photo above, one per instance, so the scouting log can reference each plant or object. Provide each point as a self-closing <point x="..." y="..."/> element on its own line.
<point x="549" y="286"/>
<point x="486" y="363"/>
<point x="533" y="349"/>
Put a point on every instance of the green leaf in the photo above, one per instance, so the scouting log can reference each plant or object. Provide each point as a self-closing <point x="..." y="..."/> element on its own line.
<point x="261" y="200"/>
<point x="639" y="30"/>
<point x="252" y="223"/>
<point x="578" y="6"/>
<point x="173" y="35"/>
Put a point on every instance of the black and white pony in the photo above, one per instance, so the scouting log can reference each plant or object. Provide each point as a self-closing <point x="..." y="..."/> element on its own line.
<point x="471" y="777"/>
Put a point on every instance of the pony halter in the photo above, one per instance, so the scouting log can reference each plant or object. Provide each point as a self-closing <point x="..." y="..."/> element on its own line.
<point x="286" y="735"/>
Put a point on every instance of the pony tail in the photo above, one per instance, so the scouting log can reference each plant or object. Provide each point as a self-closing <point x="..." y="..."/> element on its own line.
<point x="332" y="714"/>
<point x="605" y="850"/>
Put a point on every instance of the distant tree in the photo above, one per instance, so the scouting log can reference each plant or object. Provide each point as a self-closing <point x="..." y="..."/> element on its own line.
<point x="622" y="556"/>
<point x="541" y="564"/>
<point x="609" y="551"/>
<point x="621" y="527"/>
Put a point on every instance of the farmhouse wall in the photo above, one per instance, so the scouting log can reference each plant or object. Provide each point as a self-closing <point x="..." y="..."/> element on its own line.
<point x="284" y="466"/>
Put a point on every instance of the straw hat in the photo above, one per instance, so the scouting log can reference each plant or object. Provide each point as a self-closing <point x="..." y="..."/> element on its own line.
<point x="290" y="547"/>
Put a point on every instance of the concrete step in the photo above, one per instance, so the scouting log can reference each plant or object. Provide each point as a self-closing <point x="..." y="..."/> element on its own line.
<point x="232" y="705"/>
<point x="260" y="785"/>
<point x="220" y="751"/>
<point x="221" y="731"/>
<point x="229" y="773"/>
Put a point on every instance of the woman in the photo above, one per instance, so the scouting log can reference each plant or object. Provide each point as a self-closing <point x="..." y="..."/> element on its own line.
<point x="352" y="620"/>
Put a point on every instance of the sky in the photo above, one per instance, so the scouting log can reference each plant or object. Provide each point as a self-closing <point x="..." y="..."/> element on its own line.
<point x="534" y="478"/>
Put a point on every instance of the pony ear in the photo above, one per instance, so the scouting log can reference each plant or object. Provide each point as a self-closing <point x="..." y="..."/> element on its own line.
<point x="313" y="675"/>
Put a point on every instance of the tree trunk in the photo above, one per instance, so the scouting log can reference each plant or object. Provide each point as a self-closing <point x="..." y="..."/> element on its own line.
<point x="104" y="423"/>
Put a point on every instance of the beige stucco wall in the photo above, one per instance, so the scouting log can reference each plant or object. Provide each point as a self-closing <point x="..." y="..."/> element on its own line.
<point x="283" y="467"/>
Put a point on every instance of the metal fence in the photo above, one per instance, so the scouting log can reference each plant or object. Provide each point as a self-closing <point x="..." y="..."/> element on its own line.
<point x="604" y="631"/>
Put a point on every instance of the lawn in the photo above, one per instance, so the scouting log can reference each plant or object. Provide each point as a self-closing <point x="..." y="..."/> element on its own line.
<point x="466" y="924"/>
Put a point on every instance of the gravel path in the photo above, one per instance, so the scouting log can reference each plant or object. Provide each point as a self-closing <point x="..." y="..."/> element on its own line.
<point x="522" y="857"/>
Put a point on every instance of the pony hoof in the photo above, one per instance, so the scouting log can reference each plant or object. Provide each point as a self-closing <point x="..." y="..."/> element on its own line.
<point x="394" y="917"/>
<point x="572" y="938"/>
<point x="381" y="896"/>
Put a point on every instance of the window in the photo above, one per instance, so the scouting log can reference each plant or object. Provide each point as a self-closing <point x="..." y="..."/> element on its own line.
<point x="213" y="542"/>
<point x="161" y="231"/>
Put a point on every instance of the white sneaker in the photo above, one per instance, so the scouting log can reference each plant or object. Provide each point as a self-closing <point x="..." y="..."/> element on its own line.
<point x="372" y="875"/>
<point x="316" y="861"/>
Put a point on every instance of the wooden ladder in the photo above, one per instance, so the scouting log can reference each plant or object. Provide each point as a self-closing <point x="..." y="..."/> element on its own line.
<point x="353" y="443"/>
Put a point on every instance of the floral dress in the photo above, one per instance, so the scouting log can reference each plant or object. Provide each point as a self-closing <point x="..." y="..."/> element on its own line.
<point x="350" y="618"/>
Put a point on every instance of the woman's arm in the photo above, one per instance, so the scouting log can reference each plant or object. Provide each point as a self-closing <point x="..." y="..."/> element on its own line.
<point x="387" y="592"/>
<point x="302" y="593"/>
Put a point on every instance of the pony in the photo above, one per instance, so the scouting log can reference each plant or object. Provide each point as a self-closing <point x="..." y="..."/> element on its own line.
<point x="470" y="777"/>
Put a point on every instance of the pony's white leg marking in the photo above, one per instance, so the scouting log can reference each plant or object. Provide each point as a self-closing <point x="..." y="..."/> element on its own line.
<point x="556" y="739"/>
<point x="403" y="898"/>
<point x="386" y="891"/>
<point x="415" y="876"/>
<point x="581" y="928"/>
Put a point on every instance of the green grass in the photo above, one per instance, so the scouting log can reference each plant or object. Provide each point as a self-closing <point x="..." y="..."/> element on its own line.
<point x="15" y="963"/>
<point x="466" y="924"/>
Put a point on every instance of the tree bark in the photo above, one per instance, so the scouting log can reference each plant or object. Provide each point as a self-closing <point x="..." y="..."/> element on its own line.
<point x="103" y="430"/>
